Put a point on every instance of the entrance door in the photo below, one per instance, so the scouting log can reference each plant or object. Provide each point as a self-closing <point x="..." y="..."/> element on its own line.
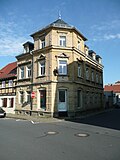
<point x="43" y="99"/>
<point x="62" y="103"/>
<point x="5" y="102"/>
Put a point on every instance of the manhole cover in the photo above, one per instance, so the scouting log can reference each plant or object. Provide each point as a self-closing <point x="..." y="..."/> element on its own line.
<point x="51" y="133"/>
<point x="82" y="134"/>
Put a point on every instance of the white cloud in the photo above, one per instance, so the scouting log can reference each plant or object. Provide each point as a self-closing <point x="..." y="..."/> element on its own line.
<point x="106" y="31"/>
<point x="11" y="39"/>
<point x="114" y="24"/>
<point x="112" y="36"/>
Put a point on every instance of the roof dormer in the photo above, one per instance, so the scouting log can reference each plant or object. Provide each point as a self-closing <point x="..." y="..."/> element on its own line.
<point x="28" y="46"/>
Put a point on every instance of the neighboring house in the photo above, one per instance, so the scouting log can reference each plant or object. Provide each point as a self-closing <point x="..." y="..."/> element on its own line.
<point x="64" y="75"/>
<point x="7" y="87"/>
<point x="112" y="94"/>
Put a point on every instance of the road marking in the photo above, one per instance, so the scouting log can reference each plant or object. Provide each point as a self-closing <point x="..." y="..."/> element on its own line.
<point x="34" y="122"/>
<point x="18" y="120"/>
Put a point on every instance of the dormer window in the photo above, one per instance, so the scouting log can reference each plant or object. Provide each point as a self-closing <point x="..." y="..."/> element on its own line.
<point x="63" y="41"/>
<point x="26" y="49"/>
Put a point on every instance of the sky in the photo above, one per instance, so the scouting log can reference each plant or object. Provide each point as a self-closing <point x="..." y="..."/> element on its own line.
<point x="97" y="20"/>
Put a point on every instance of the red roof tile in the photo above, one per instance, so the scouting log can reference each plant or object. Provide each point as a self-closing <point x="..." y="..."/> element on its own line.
<point x="8" y="71"/>
<point x="114" y="88"/>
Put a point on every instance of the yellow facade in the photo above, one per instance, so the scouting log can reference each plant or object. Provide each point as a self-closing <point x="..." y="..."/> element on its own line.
<point x="65" y="77"/>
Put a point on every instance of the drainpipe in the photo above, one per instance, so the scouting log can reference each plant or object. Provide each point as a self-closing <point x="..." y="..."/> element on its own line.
<point x="31" y="103"/>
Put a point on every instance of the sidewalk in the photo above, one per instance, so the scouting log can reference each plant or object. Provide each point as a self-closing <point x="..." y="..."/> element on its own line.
<point x="51" y="119"/>
<point x="33" y="118"/>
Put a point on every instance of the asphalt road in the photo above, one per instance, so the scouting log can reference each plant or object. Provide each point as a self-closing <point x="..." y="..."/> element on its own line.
<point x="63" y="140"/>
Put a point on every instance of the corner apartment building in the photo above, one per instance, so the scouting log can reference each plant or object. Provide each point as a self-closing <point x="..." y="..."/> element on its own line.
<point x="7" y="87"/>
<point x="65" y="76"/>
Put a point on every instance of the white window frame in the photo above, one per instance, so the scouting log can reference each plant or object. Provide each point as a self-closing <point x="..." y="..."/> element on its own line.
<point x="78" y="46"/>
<point x="3" y="84"/>
<point x="62" y="67"/>
<point x="10" y="83"/>
<point x="41" y="68"/>
<point x="22" y="72"/>
<point x="79" y="95"/>
<point x="96" y="77"/>
<point x="87" y="73"/>
<point x="28" y="96"/>
<point x="63" y="41"/>
<point x="21" y="93"/>
<point x="43" y="43"/>
<point x="79" y="70"/>
<point x="92" y="76"/>
<point x="28" y="71"/>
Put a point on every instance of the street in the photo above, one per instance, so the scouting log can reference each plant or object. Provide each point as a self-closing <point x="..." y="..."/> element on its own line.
<point x="93" y="138"/>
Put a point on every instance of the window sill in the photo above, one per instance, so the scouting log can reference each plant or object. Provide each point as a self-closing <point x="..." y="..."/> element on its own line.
<point x="42" y="76"/>
<point x="24" y="79"/>
<point x="80" y="77"/>
<point x="61" y="75"/>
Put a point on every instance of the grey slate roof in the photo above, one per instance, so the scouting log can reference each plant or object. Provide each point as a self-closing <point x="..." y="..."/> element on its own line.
<point x="60" y="23"/>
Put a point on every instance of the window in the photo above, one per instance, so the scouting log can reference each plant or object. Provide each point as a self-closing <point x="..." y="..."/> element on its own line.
<point x="21" y="97"/>
<point x="100" y="79"/>
<point x="43" y="99"/>
<point x="96" y="77"/>
<point x="78" y="45"/>
<point x="79" y="70"/>
<point x="43" y="43"/>
<point x="21" y="72"/>
<point x="28" y="96"/>
<point x="3" y="84"/>
<point x="92" y="75"/>
<point x="28" y="72"/>
<point x="87" y="73"/>
<point x="62" y="67"/>
<point x="42" y="68"/>
<point x="79" y="93"/>
<point x="10" y="83"/>
<point x="63" y="41"/>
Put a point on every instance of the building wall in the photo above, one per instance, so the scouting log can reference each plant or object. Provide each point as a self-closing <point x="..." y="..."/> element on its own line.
<point x="8" y="95"/>
<point x="51" y="84"/>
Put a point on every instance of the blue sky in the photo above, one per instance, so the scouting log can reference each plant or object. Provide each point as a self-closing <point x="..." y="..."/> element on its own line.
<point x="98" y="20"/>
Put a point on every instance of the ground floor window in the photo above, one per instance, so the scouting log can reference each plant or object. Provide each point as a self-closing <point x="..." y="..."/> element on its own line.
<point x="28" y="96"/>
<point x="79" y="95"/>
<point x="7" y="102"/>
<point x="21" y="94"/>
<point x="42" y="99"/>
<point x="11" y="102"/>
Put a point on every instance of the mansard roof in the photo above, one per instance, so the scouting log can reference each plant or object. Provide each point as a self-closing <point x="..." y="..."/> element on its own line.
<point x="59" y="23"/>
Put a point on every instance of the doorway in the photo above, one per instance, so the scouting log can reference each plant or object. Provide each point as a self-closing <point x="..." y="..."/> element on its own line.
<point x="62" y="103"/>
<point x="43" y="99"/>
